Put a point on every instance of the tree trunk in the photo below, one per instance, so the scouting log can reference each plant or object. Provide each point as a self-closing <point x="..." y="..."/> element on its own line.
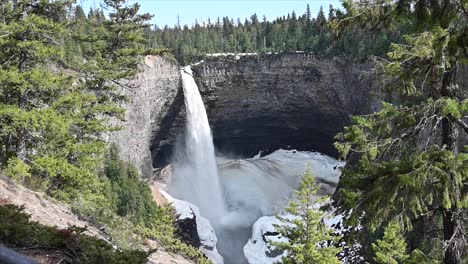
<point x="21" y="133"/>
<point x="21" y="144"/>
<point x="451" y="217"/>
<point x="452" y="230"/>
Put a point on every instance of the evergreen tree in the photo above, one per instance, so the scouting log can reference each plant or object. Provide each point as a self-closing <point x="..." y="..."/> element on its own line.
<point x="131" y="197"/>
<point x="38" y="141"/>
<point x="308" y="13"/>
<point x="52" y="120"/>
<point x="331" y="13"/>
<point x="28" y="44"/>
<point x="118" y="45"/>
<point x="286" y="33"/>
<point x="321" y="20"/>
<point x="308" y="236"/>
<point x="409" y="167"/>
<point x="392" y="248"/>
<point x="60" y="75"/>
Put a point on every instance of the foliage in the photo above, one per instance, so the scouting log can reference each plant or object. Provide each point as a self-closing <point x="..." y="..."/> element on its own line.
<point x="120" y="230"/>
<point x="392" y="248"/>
<point x="18" y="169"/>
<point x="131" y="213"/>
<point x="34" y="134"/>
<point x="287" y="33"/>
<point x="114" y="45"/>
<point x="61" y="73"/>
<point x="407" y="155"/>
<point x="17" y="230"/>
<point x="309" y="239"/>
<point x="172" y="243"/>
<point x="131" y="197"/>
<point x="51" y="121"/>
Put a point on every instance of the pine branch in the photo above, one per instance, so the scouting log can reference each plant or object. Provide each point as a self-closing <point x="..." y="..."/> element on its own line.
<point x="463" y="125"/>
<point x="462" y="7"/>
<point x="53" y="41"/>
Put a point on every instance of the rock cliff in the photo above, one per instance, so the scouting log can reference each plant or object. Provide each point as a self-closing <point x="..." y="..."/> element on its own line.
<point x="271" y="101"/>
<point x="151" y="95"/>
<point x="255" y="102"/>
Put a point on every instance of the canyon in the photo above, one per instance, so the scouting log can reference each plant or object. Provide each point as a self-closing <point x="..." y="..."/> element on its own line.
<point x="278" y="107"/>
<point x="303" y="98"/>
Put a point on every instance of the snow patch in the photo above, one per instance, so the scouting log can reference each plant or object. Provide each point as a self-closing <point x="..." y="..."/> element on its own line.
<point x="208" y="239"/>
<point x="262" y="186"/>
<point x="236" y="55"/>
<point x="258" y="250"/>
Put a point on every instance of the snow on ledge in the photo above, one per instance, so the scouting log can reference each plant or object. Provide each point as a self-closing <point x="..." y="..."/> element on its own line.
<point x="258" y="250"/>
<point x="205" y="231"/>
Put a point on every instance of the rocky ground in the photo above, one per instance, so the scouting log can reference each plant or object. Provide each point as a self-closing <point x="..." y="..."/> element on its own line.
<point x="50" y="212"/>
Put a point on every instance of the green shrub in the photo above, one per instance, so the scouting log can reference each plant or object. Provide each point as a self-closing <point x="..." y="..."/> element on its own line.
<point x="120" y="229"/>
<point x="18" y="231"/>
<point x="131" y="214"/>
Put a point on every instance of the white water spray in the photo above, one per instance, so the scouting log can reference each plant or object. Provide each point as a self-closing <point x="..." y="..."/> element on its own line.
<point x="196" y="175"/>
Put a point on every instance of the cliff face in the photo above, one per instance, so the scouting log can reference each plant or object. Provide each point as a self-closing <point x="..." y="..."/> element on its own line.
<point x="266" y="102"/>
<point x="151" y="94"/>
<point x="257" y="102"/>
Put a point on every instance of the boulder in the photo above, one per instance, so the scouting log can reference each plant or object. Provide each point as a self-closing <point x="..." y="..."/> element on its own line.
<point x="197" y="230"/>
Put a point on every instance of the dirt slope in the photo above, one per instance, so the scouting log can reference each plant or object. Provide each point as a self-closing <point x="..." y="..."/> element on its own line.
<point x="48" y="211"/>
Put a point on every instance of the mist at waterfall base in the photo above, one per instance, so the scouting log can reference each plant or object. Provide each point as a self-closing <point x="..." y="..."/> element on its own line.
<point x="233" y="193"/>
<point x="262" y="186"/>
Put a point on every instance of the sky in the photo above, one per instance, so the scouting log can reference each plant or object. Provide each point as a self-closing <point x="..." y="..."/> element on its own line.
<point x="166" y="11"/>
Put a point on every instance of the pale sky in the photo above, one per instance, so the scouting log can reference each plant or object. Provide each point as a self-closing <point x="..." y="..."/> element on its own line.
<point x="166" y="11"/>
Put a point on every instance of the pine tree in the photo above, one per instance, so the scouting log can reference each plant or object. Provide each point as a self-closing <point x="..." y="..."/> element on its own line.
<point x="321" y="19"/>
<point x="331" y="13"/>
<point x="308" y="13"/>
<point x="112" y="50"/>
<point x="392" y="248"/>
<point x="52" y="120"/>
<point x="307" y="234"/>
<point x="118" y="45"/>
<point x="290" y="32"/>
<point x="27" y="45"/>
<point x="408" y="162"/>
<point x="37" y="139"/>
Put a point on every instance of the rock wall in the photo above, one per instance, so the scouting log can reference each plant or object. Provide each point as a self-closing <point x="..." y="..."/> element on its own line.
<point x="267" y="102"/>
<point x="255" y="102"/>
<point x="151" y="94"/>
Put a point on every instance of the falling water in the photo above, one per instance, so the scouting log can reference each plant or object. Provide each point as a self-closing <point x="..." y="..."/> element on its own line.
<point x="245" y="189"/>
<point x="196" y="174"/>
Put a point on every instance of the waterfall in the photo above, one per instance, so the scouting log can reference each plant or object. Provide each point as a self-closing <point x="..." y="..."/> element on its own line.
<point x="196" y="174"/>
<point x="233" y="194"/>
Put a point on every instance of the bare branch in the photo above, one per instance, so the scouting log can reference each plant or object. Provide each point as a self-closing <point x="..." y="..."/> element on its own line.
<point x="463" y="125"/>
<point x="50" y="39"/>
